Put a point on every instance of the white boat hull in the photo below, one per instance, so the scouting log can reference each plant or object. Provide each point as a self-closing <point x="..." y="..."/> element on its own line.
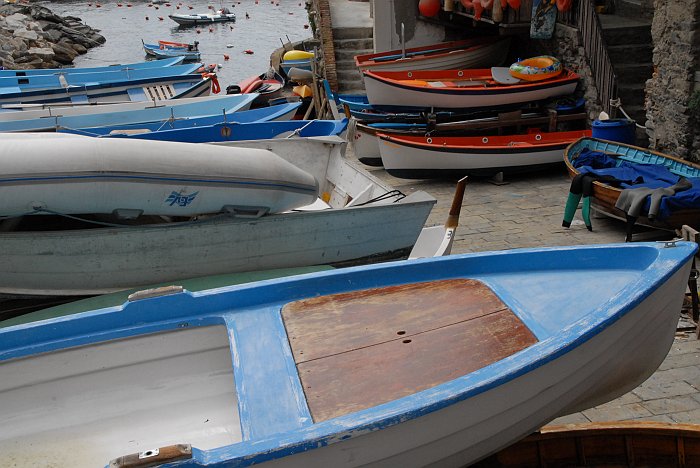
<point x="366" y="146"/>
<point x="380" y="93"/>
<point x="405" y="161"/>
<point x="86" y="175"/>
<point x="98" y="261"/>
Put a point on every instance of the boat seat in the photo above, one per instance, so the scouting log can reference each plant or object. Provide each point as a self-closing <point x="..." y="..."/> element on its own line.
<point x="359" y="349"/>
<point x="10" y="89"/>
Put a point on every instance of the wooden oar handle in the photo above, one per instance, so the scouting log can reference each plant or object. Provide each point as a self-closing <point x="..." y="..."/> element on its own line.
<point x="153" y="457"/>
<point x="453" y="217"/>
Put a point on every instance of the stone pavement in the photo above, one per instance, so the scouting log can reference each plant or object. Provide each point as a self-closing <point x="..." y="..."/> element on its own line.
<point x="527" y="212"/>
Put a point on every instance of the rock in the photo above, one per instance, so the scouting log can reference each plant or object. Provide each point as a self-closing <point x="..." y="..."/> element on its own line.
<point x="16" y="21"/>
<point x="28" y="35"/>
<point x="64" y="54"/>
<point x="41" y="52"/>
<point x="78" y="48"/>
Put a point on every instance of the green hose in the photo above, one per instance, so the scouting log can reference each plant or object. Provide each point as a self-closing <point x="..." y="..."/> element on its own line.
<point x="586" y="212"/>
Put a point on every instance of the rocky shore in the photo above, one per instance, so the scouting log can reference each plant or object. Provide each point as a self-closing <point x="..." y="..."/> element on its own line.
<point x="33" y="36"/>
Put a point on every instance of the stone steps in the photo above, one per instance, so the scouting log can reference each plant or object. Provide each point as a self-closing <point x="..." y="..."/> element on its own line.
<point x="352" y="33"/>
<point x="640" y="53"/>
<point x="348" y="42"/>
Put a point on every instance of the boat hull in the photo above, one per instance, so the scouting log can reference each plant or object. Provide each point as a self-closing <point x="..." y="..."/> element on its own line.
<point x="470" y="53"/>
<point x="604" y="196"/>
<point x="396" y="91"/>
<point x="192" y="20"/>
<point x="425" y="157"/>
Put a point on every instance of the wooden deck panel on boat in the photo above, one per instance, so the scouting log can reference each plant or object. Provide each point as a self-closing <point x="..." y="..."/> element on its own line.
<point x="361" y="349"/>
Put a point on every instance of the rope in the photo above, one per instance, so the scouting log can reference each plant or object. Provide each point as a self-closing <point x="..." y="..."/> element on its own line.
<point x="106" y="224"/>
<point x="393" y="193"/>
<point x="618" y="103"/>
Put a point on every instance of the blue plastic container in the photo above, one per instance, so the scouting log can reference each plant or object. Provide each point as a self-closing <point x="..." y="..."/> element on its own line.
<point x="620" y="130"/>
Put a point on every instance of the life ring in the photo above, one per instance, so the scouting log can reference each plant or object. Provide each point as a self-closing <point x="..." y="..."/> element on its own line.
<point x="215" y="86"/>
<point x="564" y="5"/>
<point x="538" y="68"/>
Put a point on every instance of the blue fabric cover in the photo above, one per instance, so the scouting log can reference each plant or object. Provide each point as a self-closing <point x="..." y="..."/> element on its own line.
<point x="632" y="175"/>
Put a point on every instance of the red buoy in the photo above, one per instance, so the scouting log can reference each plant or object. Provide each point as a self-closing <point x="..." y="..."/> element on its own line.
<point x="160" y="18"/>
<point x="199" y="31"/>
<point x="248" y="51"/>
<point x="429" y="7"/>
<point x="226" y="57"/>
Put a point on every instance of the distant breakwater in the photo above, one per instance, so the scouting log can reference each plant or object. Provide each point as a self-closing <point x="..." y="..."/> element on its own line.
<point x="32" y="36"/>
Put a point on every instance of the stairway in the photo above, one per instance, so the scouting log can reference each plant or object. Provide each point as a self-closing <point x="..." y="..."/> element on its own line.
<point x="630" y="48"/>
<point x="348" y="42"/>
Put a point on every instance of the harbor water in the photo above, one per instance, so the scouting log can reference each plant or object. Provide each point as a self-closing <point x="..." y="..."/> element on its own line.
<point x="268" y="24"/>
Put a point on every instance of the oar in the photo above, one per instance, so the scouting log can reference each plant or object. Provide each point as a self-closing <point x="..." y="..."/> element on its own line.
<point x="386" y="58"/>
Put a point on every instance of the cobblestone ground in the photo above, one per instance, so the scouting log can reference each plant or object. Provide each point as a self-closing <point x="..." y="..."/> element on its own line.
<point x="527" y="212"/>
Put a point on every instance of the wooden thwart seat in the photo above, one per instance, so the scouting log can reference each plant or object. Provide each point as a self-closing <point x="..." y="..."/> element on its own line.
<point x="364" y="348"/>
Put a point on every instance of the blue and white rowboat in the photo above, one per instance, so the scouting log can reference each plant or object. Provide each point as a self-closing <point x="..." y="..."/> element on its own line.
<point x="112" y="115"/>
<point x="281" y="112"/>
<point x="107" y="68"/>
<point x="441" y="360"/>
<point x="235" y="131"/>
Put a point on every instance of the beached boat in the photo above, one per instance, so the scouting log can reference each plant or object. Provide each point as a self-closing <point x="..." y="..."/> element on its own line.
<point x="113" y="115"/>
<point x="368" y="220"/>
<point x="147" y="89"/>
<point x="71" y="175"/>
<point x="13" y="84"/>
<point x="419" y="157"/>
<point x="222" y="15"/>
<point x="281" y="112"/>
<point x="442" y="360"/>
<point x="67" y="71"/>
<point x="366" y="143"/>
<point x="631" y="167"/>
<point x="603" y="445"/>
<point x="235" y="131"/>
<point x="479" y="52"/>
<point x="450" y="89"/>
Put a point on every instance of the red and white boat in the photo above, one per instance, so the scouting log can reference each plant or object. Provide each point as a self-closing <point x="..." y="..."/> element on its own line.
<point x="459" y="89"/>
<point x="476" y="52"/>
<point x="420" y="157"/>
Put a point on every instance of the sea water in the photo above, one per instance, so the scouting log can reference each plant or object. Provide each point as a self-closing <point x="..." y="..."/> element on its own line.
<point x="269" y="24"/>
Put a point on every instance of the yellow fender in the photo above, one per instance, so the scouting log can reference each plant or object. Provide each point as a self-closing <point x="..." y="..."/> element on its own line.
<point x="297" y="55"/>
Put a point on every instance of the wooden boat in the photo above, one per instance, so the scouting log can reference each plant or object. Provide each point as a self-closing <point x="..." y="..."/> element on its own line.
<point x="366" y="143"/>
<point x="67" y="71"/>
<point x="48" y="82"/>
<point x="442" y="360"/>
<point x="479" y="52"/>
<point x="81" y="175"/>
<point x="279" y="113"/>
<point x="111" y="115"/>
<point x="234" y="131"/>
<point x="603" y="445"/>
<point x="147" y="89"/>
<point x="450" y="89"/>
<point x="604" y="195"/>
<point x="368" y="220"/>
<point x="222" y="15"/>
<point x="418" y="157"/>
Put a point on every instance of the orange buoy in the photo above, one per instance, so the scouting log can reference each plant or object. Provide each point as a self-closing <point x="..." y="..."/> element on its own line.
<point x="190" y="7"/>
<point x="199" y="31"/>
<point x="211" y="29"/>
<point x="564" y="5"/>
<point x="226" y="57"/>
<point x="160" y="18"/>
<point x="306" y="26"/>
<point x="429" y="7"/>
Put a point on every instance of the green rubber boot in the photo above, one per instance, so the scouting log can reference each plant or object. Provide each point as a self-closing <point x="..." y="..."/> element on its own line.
<point x="586" y="212"/>
<point x="570" y="209"/>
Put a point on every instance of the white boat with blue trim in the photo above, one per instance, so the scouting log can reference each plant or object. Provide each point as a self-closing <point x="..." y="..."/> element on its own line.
<point x="434" y="361"/>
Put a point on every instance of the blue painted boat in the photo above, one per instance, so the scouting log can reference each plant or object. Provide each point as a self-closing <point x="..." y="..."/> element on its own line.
<point x="301" y="64"/>
<point x="189" y="55"/>
<point x="146" y="89"/>
<point x="22" y="83"/>
<point x="245" y="131"/>
<point x="105" y="116"/>
<point x="107" y="68"/>
<point x="442" y="360"/>
<point x="280" y="112"/>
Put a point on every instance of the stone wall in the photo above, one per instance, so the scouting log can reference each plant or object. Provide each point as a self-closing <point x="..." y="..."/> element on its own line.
<point x="671" y="126"/>
<point x="33" y="37"/>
